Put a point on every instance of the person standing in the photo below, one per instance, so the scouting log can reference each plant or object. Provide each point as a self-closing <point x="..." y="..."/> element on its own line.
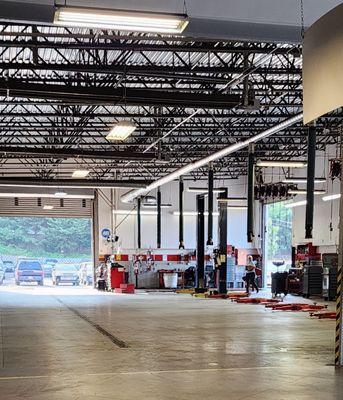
<point x="250" y="275"/>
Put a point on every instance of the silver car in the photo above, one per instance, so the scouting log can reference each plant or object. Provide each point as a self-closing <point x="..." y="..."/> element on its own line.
<point x="65" y="273"/>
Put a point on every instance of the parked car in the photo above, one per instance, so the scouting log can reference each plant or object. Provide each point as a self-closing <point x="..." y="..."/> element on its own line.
<point x="9" y="265"/>
<point x="86" y="273"/>
<point x="29" y="271"/>
<point x="2" y="272"/>
<point x="48" y="266"/>
<point x="65" y="273"/>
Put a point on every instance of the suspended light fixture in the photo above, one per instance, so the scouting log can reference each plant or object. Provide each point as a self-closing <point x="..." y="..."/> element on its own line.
<point x="331" y="197"/>
<point x="303" y="191"/>
<point x="48" y="207"/>
<point x="281" y="164"/>
<point x="134" y="212"/>
<point x="302" y="180"/>
<point x="80" y="173"/>
<point x="193" y="213"/>
<point x="149" y="205"/>
<point x="121" y="130"/>
<point x="296" y="204"/>
<point x="133" y="21"/>
<point x="232" y="199"/>
<point x="203" y="190"/>
<point x="60" y="193"/>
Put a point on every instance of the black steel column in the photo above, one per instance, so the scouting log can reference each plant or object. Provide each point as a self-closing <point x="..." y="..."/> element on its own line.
<point x="159" y="217"/>
<point x="139" y="243"/>
<point x="251" y="194"/>
<point x="210" y="207"/>
<point x="181" y="189"/>
<point x="222" y="235"/>
<point x="311" y="170"/>
<point x="200" y="242"/>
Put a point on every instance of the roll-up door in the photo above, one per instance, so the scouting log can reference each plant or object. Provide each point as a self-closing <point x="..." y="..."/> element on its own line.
<point x="46" y="207"/>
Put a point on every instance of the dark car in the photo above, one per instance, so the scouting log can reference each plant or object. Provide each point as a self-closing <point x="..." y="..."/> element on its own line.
<point x="29" y="271"/>
<point x="2" y="273"/>
<point x="9" y="266"/>
<point x="65" y="273"/>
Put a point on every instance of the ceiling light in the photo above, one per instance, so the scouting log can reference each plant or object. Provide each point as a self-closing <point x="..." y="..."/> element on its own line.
<point x="148" y="205"/>
<point x="120" y="20"/>
<point x="296" y="204"/>
<point x="203" y="190"/>
<point x="121" y="130"/>
<point x="303" y="191"/>
<point x="44" y="195"/>
<point x="232" y="199"/>
<point x="60" y="193"/>
<point x="80" y="173"/>
<point x="234" y="207"/>
<point x="331" y="197"/>
<point x="48" y="207"/>
<point x="302" y="180"/>
<point x="134" y="212"/>
<point x="194" y="213"/>
<point x="286" y="164"/>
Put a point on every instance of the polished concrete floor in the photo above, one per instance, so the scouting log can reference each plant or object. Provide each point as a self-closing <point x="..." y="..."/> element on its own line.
<point x="73" y="343"/>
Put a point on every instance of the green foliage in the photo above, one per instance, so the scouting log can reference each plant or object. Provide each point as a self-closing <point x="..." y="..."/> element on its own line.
<point x="279" y="227"/>
<point x="44" y="237"/>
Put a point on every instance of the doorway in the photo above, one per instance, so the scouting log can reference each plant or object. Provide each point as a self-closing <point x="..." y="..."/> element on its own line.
<point x="277" y="239"/>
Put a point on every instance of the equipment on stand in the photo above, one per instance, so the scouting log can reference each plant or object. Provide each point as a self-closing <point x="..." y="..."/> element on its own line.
<point x="312" y="279"/>
<point x="295" y="281"/>
<point x="117" y="275"/>
<point x="330" y="263"/>
<point x="279" y="283"/>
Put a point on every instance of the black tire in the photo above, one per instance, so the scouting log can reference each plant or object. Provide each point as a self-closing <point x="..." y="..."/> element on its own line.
<point x="40" y="283"/>
<point x="17" y="283"/>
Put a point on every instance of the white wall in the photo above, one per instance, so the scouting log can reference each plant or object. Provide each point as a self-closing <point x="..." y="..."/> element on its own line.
<point x="127" y="224"/>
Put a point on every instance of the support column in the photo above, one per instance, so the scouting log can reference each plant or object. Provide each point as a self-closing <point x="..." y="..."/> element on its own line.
<point x="139" y="240"/>
<point x="200" y="242"/>
<point x="181" y="190"/>
<point x="251" y="194"/>
<point x="159" y="217"/>
<point x="339" y="301"/>
<point x="210" y="206"/>
<point x="311" y="170"/>
<point x="222" y="235"/>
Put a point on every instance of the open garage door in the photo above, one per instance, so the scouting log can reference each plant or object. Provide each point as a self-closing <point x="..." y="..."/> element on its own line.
<point x="46" y="207"/>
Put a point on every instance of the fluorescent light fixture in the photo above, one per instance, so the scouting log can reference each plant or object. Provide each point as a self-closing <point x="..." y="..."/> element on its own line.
<point x="286" y="164"/>
<point x="155" y="205"/>
<point x="80" y="173"/>
<point x="302" y="180"/>
<point x="47" y="207"/>
<point x="296" y="204"/>
<point x="203" y="190"/>
<point x="44" y="195"/>
<point x="129" y="196"/>
<point x="303" y="191"/>
<point x="134" y="212"/>
<point x="234" y="207"/>
<point x="121" y="130"/>
<point x="193" y="213"/>
<point x="60" y="193"/>
<point x="331" y="197"/>
<point x="232" y="200"/>
<point x="133" y="21"/>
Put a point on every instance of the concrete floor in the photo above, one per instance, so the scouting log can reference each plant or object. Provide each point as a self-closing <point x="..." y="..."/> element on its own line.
<point x="178" y="347"/>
